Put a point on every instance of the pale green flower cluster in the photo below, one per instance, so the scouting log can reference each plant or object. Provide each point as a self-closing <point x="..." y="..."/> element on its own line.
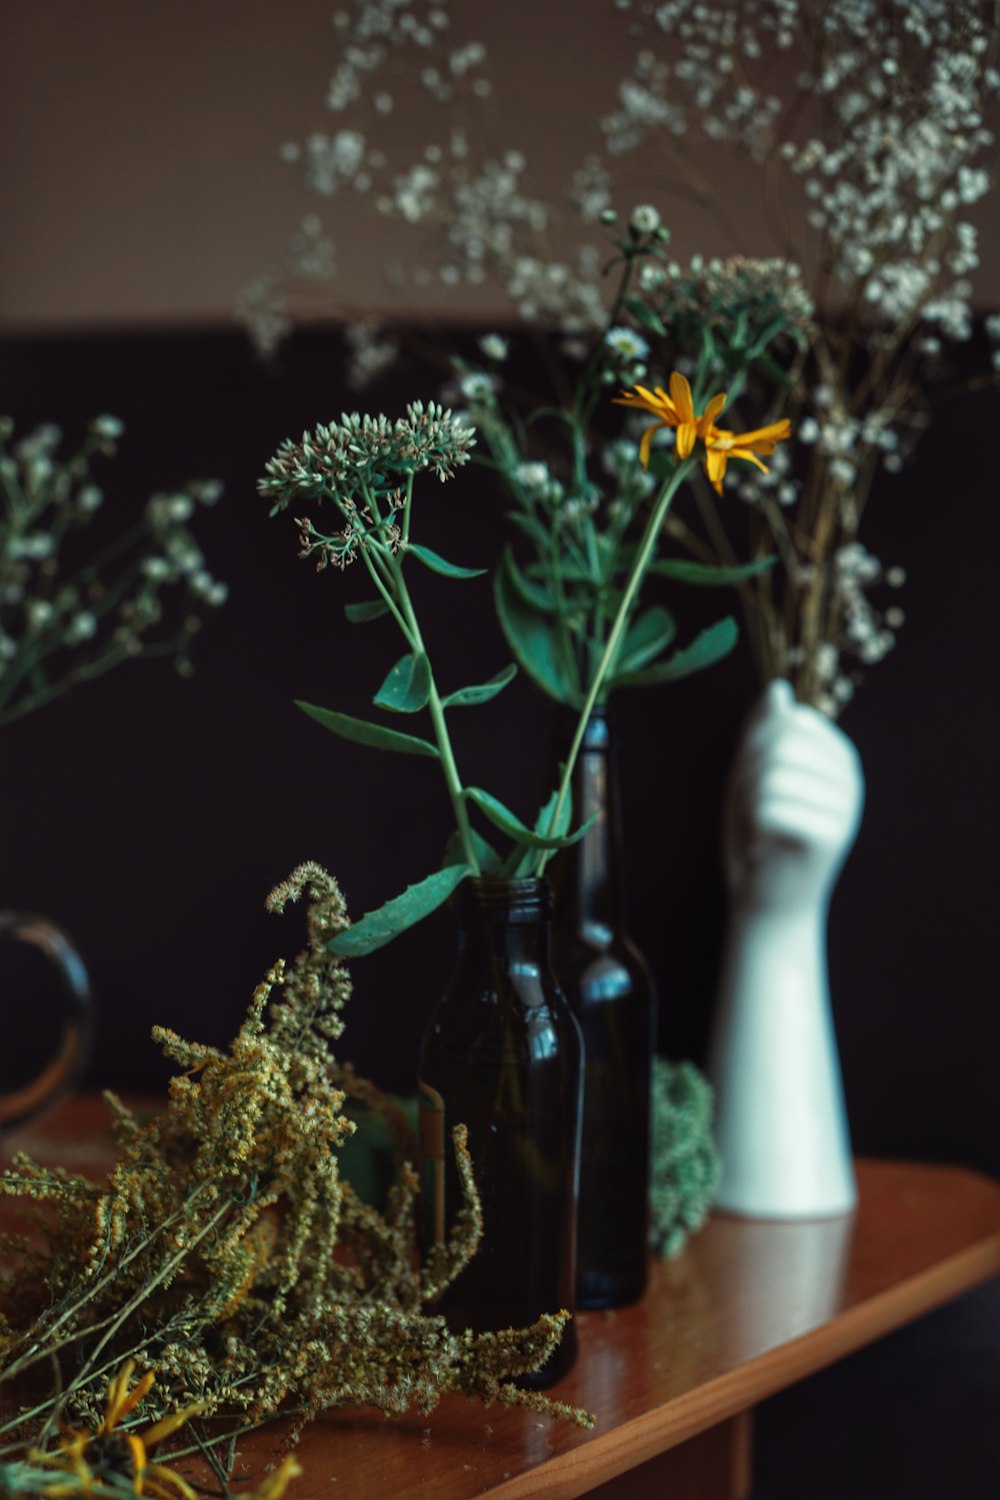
<point x="69" y="614"/>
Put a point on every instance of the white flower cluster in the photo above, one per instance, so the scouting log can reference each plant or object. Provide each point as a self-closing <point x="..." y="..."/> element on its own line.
<point x="863" y="631"/>
<point x="49" y="610"/>
<point x="371" y="353"/>
<point x="905" y="89"/>
<point x="875" y="114"/>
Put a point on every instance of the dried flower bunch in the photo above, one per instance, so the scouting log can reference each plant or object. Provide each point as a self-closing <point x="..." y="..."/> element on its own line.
<point x="226" y="1257"/>
<point x="870" y="127"/>
<point x="69" y="613"/>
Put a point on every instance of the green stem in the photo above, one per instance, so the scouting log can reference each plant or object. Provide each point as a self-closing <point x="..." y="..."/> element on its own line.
<point x="639" y="566"/>
<point x="453" y="781"/>
<point x="164" y="1274"/>
<point x="375" y="568"/>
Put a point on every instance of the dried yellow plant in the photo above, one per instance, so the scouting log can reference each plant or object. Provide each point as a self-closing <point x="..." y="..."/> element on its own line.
<point x="226" y="1255"/>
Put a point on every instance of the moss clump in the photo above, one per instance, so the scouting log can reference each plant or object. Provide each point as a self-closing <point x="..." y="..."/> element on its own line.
<point x="685" y="1161"/>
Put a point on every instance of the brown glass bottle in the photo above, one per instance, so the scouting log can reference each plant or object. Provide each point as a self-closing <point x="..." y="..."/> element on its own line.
<point x="502" y="1055"/>
<point x="611" y="991"/>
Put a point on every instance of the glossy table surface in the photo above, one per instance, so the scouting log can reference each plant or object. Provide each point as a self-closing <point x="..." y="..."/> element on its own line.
<point x="748" y="1308"/>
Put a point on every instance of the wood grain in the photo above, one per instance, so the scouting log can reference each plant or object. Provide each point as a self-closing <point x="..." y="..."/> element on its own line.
<point x="748" y="1308"/>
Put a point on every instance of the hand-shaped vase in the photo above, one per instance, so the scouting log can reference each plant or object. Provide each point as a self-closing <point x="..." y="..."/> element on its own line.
<point x="793" y="806"/>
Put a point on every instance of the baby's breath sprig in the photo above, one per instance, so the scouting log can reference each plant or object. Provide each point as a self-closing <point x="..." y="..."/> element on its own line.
<point x="207" y="1259"/>
<point x="68" y="616"/>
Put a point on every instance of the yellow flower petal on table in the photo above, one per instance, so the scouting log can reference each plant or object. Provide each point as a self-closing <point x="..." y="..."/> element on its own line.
<point x="164" y="1484"/>
<point x="275" y="1485"/>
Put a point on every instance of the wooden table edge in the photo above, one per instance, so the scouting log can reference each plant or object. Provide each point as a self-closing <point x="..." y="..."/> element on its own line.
<point x="606" y="1456"/>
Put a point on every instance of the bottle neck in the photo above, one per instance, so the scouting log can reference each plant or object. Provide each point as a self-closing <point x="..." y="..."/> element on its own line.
<point x="590" y="898"/>
<point x="505" y="923"/>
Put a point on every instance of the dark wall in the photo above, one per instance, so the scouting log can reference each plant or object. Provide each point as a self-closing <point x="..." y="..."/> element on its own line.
<point x="151" y="815"/>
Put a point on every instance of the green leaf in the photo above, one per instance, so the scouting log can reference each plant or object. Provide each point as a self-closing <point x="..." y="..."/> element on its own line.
<point x="510" y="824"/>
<point x="441" y="565"/>
<point x="534" y="641"/>
<point x="738" y="338"/>
<point x="645" y="315"/>
<point x="363" y="733"/>
<point x="371" y="609"/>
<point x="709" y="574"/>
<point x="532" y="528"/>
<point x="376" y="928"/>
<point x="533" y="594"/>
<point x="548" y="808"/>
<point x="454" y="853"/>
<point x="766" y="336"/>
<point x="483" y="692"/>
<point x="407" y="687"/>
<point x="569" y="572"/>
<point x="706" y="649"/>
<point x="521" y="862"/>
<point x="649" y="633"/>
<point x="774" y="372"/>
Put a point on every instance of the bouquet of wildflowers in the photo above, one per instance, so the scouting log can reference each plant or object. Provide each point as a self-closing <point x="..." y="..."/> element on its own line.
<point x="363" y="469"/>
<point x="869" y="129"/>
<point x="70" y="613"/>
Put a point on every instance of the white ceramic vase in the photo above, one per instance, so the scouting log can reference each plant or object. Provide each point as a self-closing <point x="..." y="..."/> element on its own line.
<point x="793" y="806"/>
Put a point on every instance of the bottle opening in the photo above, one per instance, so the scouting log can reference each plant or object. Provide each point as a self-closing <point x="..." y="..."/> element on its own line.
<point x="525" y="900"/>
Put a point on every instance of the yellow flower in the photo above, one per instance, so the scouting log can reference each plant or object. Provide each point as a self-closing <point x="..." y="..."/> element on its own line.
<point x="88" y="1459"/>
<point x="91" y="1456"/>
<point x="721" y="446"/>
<point x="676" y="410"/>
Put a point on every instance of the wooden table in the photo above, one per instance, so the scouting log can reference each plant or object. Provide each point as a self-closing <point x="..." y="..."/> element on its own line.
<point x="747" y="1309"/>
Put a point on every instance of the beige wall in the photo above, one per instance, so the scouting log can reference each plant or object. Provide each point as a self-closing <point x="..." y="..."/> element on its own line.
<point x="139" y="160"/>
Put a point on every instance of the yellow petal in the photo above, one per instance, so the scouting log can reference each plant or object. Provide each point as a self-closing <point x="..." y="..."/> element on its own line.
<point x="645" y="441"/>
<point x="167" y="1482"/>
<point x="680" y="392"/>
<point x="117" y="1393"/>
<point x="276" y="1484"/>
<point x="776" y="432"/>
<point x="131" y="1401"/>
<point x="686" y="434"/>
<point x="137" y="1448"/>
<point x="715" y="466"/>
<point x="751" y="458"/>
<point x="714" y="409"/>
<point x="166" y="1425"/>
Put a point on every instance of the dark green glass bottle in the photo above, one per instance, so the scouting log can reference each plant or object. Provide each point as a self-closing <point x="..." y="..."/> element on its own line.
<point x="502" y="1055"/>
<point x="611" y="991"/>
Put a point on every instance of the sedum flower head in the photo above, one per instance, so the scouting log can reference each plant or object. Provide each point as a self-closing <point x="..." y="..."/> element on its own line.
<point x="349" y="460"/>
